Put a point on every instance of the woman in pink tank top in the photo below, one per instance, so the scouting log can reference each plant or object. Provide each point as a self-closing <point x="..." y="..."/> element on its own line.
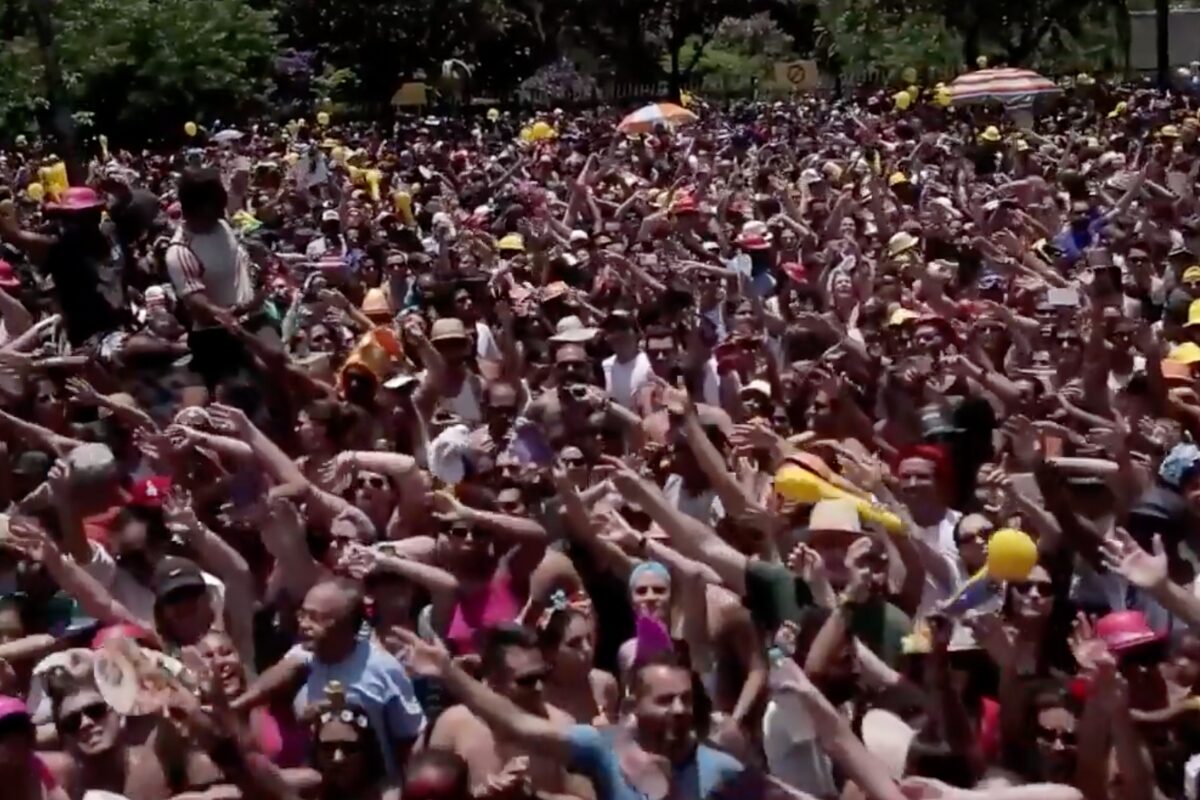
<point x="493" y="556"/>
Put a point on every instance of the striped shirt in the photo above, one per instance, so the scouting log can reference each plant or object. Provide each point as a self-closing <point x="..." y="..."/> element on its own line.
<point x="213" y="263"/>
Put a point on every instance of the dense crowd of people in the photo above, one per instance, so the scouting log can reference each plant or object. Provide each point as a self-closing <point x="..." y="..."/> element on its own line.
<point x="440" y="461"/>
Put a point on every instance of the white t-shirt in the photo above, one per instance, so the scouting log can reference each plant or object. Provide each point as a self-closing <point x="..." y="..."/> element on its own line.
<point x="793" y="753"/>
<point x="706" y="506"/>
<point x="940" y="537"/>
<point x="136" y="597"/>
<point x="485" y="343"/>
<point x="623" y="380"/>
<point x="213" y="263"/>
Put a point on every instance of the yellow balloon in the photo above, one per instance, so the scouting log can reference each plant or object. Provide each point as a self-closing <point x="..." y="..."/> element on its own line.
<point x="942" y="97"/>
<point x="908" y="75"/>
<point x="794" y="483"/>
<point x="1011" y="555"/>
<point x="402" y="200"/>
<point x="526" y="134"/>
<point x="322" y="118"/>
<point x="190" y="128"/>
<point x="543" y="130"/>
<point x="373" y="177"/>
<point x="903" y="100"/>
<point x="493" y="114"/>
<point x="981" y="62"/>
<point x="35" y="192"/>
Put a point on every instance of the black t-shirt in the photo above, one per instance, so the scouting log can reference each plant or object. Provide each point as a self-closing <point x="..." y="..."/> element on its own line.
<point x="138" y="214"/>
<point x="88" y="283"/>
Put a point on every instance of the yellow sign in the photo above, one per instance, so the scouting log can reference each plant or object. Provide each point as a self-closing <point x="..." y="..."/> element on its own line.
<point x="413" y="93"/>
<point x="798" y="75"/>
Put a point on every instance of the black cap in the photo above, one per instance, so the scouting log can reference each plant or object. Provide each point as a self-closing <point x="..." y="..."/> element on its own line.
<point x="174" y="574"/>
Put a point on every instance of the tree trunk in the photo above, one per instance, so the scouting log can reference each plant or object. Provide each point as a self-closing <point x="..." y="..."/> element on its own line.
<point x="1163" y="9"/>
<point x="60" y="111"/>
<point x="674" y="85"/>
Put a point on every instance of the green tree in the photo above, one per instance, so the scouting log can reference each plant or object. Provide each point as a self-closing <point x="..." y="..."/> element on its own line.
<point x="140" y="68"/>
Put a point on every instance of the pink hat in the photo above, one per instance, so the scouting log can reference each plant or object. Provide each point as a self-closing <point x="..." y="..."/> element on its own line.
<point x="77" y="198"/>
<point x="1125" y="630"/>
<point x="11" y="706"/>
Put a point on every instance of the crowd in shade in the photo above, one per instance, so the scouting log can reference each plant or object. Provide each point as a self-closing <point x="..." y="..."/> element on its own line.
<point x="815" y="449"/>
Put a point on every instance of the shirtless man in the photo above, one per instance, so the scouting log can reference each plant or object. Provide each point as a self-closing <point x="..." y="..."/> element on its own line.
<point x="97" y="752"/>
<point x="513" y="666"/>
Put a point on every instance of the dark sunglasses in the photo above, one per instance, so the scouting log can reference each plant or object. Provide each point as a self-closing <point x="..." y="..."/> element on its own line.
<point x="1040" y="588"/>
<point x="1066" y="738"/>
<point x="329" y="749"/>
<point x="372" y="482"/>
<point x="531" y="681"/>
<point x="71" y="723"/>
<point x="461" y="532"/>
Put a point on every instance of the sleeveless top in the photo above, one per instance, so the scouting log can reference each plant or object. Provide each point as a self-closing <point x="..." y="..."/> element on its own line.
<point x="482" y="608"/>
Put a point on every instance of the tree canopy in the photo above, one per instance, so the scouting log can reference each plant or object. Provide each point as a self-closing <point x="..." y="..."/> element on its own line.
<point x="142" y="66"/>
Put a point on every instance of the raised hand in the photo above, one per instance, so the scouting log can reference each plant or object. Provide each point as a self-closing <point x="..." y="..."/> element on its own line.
<point x="179" y="515"/>
<point x="424" y="658"/>
<point x="230" y="420"/>
<point x="1126" y="557"/>
<point x="60" y="478"/>
<point x="83" y="393"/>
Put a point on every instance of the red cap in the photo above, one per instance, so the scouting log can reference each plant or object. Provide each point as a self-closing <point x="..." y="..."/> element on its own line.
<point x="795" y="271"/>
<point x="123" y="631"/>
<point x="942" y="324"/>
<point x="8" y="276"/>
<point x="684" y="204"/>
<point x="150" y="492"/>
<point x="1125" y="630"/>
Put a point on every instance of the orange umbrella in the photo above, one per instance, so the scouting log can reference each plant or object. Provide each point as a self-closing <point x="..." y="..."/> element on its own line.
<point x="645" y="120"/>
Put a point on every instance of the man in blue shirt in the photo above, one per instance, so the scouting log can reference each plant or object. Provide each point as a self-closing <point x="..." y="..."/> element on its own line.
<point x="657" y="754"/>
<point x="330" y="622"/>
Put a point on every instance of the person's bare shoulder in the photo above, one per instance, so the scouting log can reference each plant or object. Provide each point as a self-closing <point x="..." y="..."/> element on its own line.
<point x="456" y="725"/>
<point x="64" y="768"/>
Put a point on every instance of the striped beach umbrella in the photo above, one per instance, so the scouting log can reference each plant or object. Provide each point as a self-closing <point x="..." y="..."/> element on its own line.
<point x="645" y="119"/>
<point x="1004" y="85"/>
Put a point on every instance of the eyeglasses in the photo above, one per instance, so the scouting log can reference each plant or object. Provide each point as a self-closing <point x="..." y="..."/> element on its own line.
<point x="1040" y="588"/>
<point x="370" y="482"/>
<point x="71" y="723"/>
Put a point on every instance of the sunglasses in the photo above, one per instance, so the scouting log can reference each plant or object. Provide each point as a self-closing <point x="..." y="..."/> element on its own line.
<point x="330" y="749"/>
<point x="1040" y="588"/>
<point x="71" y="723"/>
<point x="1065" y="738"/>
<point x="371" y="482"/>
<point x="531" y="681"/>
<point x="459" y="532"/>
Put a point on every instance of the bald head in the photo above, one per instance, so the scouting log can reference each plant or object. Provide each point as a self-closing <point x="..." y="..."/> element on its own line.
<point x="330" y="618"/>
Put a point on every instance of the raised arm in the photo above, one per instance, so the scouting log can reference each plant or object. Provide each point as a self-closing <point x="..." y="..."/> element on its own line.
<point x="691" y="537"/>
<point x="217" y="556"/>
<point x="30" y="538"/>
<point x="497" y="712"/>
